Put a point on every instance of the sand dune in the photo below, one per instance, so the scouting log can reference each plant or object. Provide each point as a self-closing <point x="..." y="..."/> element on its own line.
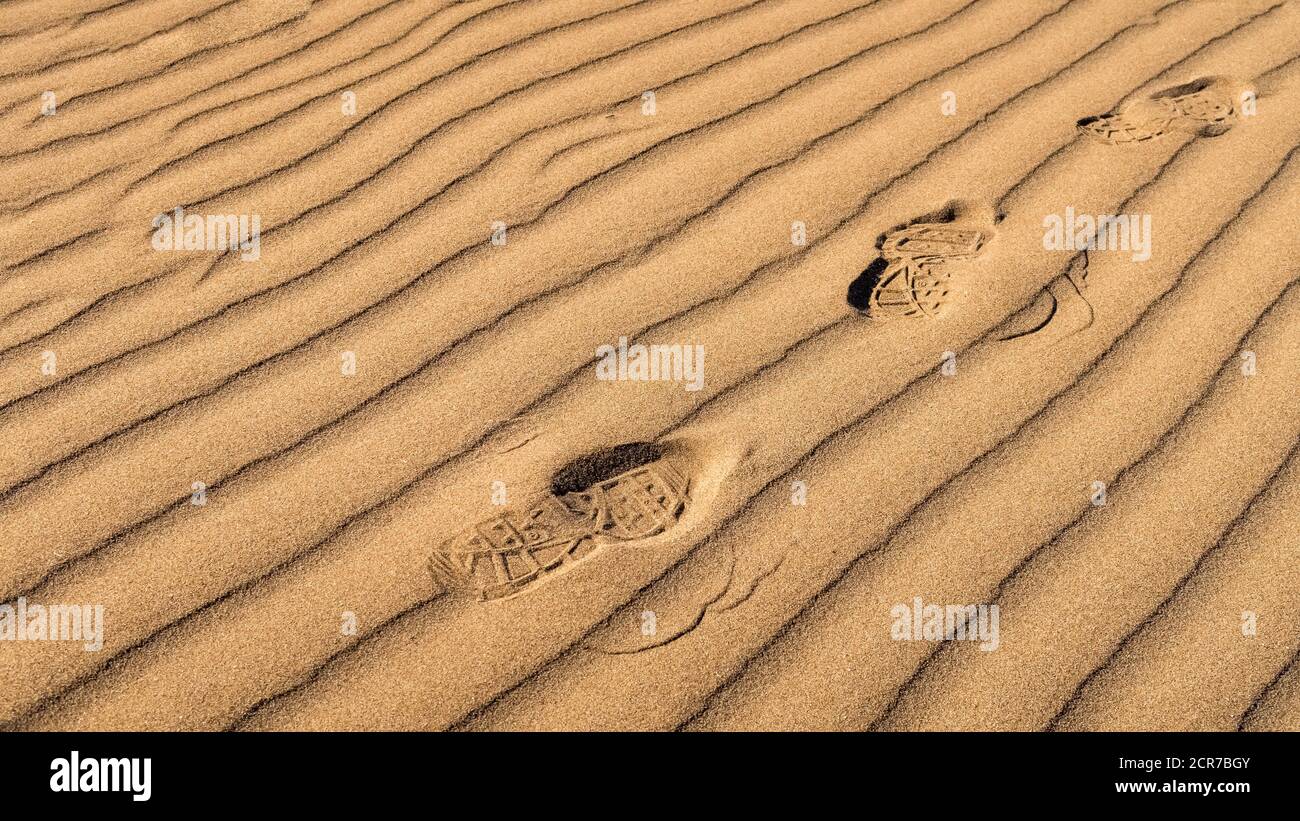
<point x="322" y="328"/>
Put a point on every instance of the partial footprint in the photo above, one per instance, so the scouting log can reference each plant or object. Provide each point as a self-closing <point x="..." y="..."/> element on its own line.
<point x="1060" y="310"/>
<point x="912" y="276"/>
<point x="909" y="287"/>
<point x="931" y="241"/>
<point x="1205" y="107"/>
<point x="708" y="583"/>
<point x="630" y="492"/>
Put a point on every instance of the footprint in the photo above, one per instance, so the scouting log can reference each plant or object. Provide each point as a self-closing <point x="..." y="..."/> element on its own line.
<point x="909" y="287"/>
<point x="1204" y="107"/>
<point x="629" y="492"/>
<point x="912" y="276"/>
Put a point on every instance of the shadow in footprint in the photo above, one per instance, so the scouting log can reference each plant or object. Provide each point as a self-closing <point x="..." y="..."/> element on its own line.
<point x="860" y="289"/>
<point x="585" y="471"/>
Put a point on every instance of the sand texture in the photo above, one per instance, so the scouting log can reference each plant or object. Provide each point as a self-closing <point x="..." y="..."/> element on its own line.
<point x="400" y="460"/>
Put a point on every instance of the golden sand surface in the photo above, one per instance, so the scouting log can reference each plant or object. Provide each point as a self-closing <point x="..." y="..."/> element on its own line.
<point x="650" y="364"/>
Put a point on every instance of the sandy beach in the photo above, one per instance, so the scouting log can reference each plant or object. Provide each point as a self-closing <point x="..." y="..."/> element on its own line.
<point x="650" y="365"/>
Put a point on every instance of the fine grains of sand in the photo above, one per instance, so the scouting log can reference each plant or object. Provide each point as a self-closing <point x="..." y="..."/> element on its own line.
<point x="248" y="460"/>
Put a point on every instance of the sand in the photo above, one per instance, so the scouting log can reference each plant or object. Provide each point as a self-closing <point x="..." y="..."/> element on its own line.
<point x="650" y="364"/>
